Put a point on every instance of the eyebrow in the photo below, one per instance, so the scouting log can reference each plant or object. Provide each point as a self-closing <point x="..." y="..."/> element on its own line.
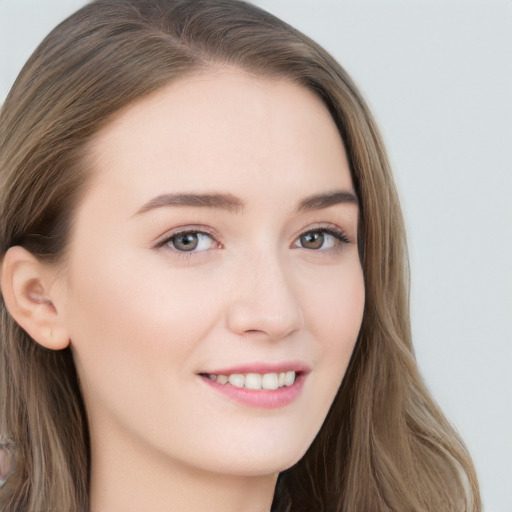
<point x="222" y="201"/>
<point x="325" y="200"/>
<point x="234" y="204"/>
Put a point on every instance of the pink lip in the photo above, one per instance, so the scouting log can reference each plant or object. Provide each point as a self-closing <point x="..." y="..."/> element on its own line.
<point x="286" y="366"/>
<point x="264" y="399"/>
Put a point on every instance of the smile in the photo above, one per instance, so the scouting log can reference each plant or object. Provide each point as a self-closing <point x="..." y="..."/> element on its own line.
<point x="257" y="381"/>
<point x="266" y="386"/>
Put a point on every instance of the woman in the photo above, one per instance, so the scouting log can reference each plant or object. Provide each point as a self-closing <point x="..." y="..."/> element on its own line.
<point x="204" y="277"/>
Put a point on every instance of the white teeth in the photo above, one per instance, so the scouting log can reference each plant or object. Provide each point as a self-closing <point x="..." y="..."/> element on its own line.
<point x="237" y="380"/>
<point x="267" y="381"/>
<point x="253" y="381"/>
<point x="289" y="378"/>
<point x="270" y="381"/>
<point x="222" y="379"/>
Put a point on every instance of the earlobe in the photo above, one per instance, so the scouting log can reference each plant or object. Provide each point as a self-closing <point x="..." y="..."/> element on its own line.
<point x="26" y="285"/>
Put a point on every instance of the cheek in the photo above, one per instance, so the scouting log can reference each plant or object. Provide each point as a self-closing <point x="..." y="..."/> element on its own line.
<point x="334" y="304"/>
<point x="131" y="323"/>
<point x="120" y="298"/>
<point x="334" y="312"/>
<point x="135" y="335"/>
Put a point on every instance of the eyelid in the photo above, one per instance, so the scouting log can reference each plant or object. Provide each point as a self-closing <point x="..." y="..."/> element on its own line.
<point x="182" y="230"/>
<point x="328" y="228"/>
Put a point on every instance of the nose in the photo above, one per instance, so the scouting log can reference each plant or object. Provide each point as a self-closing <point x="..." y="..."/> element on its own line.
<point x="264" y="301"/>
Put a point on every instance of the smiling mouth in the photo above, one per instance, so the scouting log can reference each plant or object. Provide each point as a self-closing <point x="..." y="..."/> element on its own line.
<point x="256" y="381"/>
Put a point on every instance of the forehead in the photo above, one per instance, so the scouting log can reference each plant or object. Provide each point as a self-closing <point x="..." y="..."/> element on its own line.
<point x="222" y="130"/>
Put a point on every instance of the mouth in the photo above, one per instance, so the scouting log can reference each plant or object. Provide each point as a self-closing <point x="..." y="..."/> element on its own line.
<point x="255" y="381"/>
<point x="266" y="386"/>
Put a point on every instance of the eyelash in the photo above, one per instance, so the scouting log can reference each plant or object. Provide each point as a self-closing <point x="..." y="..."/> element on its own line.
<point x="168" y="240"/>
<point x="338" y="234"/>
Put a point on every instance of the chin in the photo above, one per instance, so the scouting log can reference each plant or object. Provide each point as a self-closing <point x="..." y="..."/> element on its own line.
<point x="259" y="461"/>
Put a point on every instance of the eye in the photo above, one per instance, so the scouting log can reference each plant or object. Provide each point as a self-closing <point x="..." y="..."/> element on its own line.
<point x="190" y="241"/>
<point x="321" y="239"/>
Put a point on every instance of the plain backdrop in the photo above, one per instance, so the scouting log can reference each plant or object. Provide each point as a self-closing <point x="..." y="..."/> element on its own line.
<point x="438" y="76"/>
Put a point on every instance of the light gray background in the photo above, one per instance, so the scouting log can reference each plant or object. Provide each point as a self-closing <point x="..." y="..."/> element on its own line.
<point x="438" y="75"/>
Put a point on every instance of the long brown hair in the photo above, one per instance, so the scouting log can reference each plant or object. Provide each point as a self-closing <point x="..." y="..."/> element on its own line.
<point x="385" y="445"/>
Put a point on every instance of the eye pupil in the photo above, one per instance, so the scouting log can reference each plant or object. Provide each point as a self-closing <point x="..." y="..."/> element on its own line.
<point x="186" y="241"/>
<point x="312" y="240"/>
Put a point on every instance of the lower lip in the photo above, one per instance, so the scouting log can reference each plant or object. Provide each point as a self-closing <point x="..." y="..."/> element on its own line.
<point x="263" y="399"/>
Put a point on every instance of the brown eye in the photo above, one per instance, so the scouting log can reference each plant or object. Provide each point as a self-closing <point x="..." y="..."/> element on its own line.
<point x="312" y="240"/>
<point x="322" y="240"/>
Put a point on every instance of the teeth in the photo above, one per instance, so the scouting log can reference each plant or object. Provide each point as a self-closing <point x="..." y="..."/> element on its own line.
<point x="221" y="379"/>
<point x="237" y="380"/>
<point x="253" y="381"/>
<point x="289" y="378"/>
<point x="267" y="381"/>
<point x="270" y="381"/>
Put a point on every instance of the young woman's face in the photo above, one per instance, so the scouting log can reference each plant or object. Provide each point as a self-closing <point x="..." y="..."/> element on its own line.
<point x="217" y="241"/>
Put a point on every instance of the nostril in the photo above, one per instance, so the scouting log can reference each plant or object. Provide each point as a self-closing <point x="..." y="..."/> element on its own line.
<point x="254" y="321"/>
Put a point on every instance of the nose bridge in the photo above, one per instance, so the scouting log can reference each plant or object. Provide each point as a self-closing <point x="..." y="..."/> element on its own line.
<point x="266" y="300"/>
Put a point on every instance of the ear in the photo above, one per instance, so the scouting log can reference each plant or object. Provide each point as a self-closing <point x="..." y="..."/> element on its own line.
<point x="27" y="286"/>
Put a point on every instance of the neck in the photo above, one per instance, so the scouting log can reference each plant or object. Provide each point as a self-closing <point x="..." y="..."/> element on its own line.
<point x="131" y="478"/>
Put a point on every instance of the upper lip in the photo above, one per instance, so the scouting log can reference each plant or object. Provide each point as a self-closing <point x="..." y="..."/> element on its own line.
<point x="262" y="368"/>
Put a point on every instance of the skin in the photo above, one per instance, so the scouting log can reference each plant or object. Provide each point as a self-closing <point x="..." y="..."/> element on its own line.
<point x="144" y="319"/>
